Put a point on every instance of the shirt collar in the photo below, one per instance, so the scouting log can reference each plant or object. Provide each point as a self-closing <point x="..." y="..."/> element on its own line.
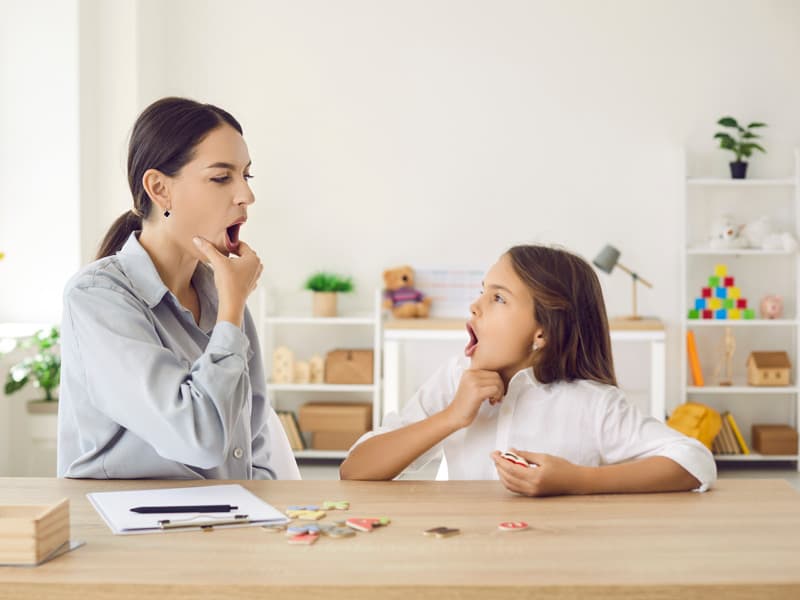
<point x="144" y="277"/>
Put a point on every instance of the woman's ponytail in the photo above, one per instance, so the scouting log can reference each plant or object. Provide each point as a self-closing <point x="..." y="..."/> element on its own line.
<point x="118" y="233"/>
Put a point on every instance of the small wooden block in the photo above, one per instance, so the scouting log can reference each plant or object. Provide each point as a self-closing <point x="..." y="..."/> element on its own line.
<point x="305" y="515"/>
<point x="274" y="528"/>
<point x="305" y="538"/>
<point x="337" y="505"/>
<point x="340" y="532"/>
<point x="366" y="525"/>
<point x="301" y="529"/>
<point x="442" y="532"/>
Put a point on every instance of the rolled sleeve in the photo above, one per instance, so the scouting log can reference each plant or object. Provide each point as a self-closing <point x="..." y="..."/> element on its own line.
<point x="625" y="434"/>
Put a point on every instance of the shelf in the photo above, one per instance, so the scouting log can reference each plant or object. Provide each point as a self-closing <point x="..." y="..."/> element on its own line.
<point x="741" y="322"/>
<point x="700" y="251"/>
<point x="742" y="389"/>
<point x="337" y="454"/>
<point x="726" y="182"/>
<point x="319" y="387"/>
<point x="755" y="457"/>
<point x="347" y="320"/>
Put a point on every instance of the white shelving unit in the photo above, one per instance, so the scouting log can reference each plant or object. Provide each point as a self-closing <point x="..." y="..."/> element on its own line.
<point x="294" y="330"/>
<point x="757" y="273"/>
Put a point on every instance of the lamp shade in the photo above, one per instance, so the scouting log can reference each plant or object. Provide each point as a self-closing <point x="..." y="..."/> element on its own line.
<point x="607" y="259"/>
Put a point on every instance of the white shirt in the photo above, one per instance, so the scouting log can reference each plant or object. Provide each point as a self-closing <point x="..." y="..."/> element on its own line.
<point x="584" y="422"/>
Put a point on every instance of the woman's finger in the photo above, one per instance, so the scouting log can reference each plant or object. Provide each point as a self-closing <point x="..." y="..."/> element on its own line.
<point x="207" y="248"/>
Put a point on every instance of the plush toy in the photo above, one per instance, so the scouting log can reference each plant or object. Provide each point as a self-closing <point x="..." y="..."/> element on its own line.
<point x="771" y="307"/>
<point x="400" y="295"/>
<point x="726" y="234"/>
<point x="760" y="234"/>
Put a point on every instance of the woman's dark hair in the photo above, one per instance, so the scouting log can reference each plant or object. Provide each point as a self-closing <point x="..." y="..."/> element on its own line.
<point x="163" y="138"/>
<point x="568" y="305"/>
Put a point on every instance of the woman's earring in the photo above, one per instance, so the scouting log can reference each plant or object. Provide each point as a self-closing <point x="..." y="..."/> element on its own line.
<point x="166" y="213"/>
<point x="535" y="347"/>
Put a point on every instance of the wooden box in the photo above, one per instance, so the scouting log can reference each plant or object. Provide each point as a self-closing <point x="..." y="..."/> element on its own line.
<point x="334" y="440"/>
<point x="339" y="418"/>
<point x="30" y="533"/>
<point x="349" y="367"/>
<point x="774" y="439"/>
<point x="768" y="368"/>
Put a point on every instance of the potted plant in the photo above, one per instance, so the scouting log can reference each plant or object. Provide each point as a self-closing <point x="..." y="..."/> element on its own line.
<point x="43" y="369"/>
<point x="325" y="287"/>
<point x="742" y="146"/>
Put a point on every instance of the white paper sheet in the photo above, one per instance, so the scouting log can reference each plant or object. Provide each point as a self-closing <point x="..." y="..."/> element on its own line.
<point x="115" y="508"/>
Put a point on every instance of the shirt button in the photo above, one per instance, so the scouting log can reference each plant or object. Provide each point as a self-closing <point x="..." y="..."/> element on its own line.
<point x="238" y="453"/>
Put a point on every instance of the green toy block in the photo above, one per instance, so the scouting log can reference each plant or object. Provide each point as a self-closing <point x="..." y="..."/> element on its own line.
<point x="729" y="303"/>
<point x="749" y="313"/>
<point x="713" y="282"/>
<point x="694" y="313"/>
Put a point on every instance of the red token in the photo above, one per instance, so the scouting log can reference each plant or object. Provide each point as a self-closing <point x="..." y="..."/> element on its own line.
<point x="512" y="526"/>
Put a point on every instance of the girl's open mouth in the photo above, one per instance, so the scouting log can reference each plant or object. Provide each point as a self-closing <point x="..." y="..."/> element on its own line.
<point x="232" y="237"/>
<point x="473" y="341"/>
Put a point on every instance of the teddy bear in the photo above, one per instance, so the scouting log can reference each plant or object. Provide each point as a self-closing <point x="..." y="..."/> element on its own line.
<point x="400" y="295"/>
<point x="726" y="234"/>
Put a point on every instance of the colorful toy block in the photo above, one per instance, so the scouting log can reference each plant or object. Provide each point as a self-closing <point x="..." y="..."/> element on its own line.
<point x="720" y="270"/>
<point x="700" y="303"/>
<point x="713" y="282"/>
<point x="714" y="304"/>
<point x="734" y="313"/>
<point x="729" y="303"/>
<point x="741" y="303"/>
<point x="749" y="313"/>
<point x="706" y="292"/>
<point x="694" y="313"/>
<point x="721" y="292"/>
<point x="728" y="282"/>
<point x="721" y="314"/>
<point x="708" y="314"/>
<point x="734" y="292"/>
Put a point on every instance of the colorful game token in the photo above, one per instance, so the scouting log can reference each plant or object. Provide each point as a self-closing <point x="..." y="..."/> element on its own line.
<point x="305" y="515"/>
<point x="301" y="529"/>
<point x="512" y="526"/>
<point x="516" y="459"/>
<point x="274" y="528"/>
<point x="340" y="532"/>
<point x="304" y="538"/>
<point x="310" y="507"/>
<point x="442" y="532"/>
<point x="338" y="505"/>
<point x="367" y="525"/>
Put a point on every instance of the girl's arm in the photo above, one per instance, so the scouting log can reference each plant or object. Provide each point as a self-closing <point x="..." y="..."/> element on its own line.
<point x="555" y="476"/>
<point x="386" y="455"/>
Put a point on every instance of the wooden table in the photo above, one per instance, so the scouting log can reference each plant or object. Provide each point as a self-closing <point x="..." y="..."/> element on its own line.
<point x="740" y="540"/>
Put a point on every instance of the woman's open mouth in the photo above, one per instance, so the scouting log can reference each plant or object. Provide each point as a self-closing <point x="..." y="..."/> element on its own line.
<point x="232" y="236"/>
<point x="473" y="341"/>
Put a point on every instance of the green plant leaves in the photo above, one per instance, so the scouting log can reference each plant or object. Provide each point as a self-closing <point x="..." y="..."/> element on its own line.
<point x="739" y="147"/>
<point x="728" y="122"/>
<point x="329" y="282"/>
<point x="43" y="369"/>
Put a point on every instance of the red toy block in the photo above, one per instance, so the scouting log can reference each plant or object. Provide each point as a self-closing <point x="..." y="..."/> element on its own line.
<point x="729" y="282"/>
<point x="708" y="314"/>
<point x="706" y="292"/>
<point x="741" y="303"/>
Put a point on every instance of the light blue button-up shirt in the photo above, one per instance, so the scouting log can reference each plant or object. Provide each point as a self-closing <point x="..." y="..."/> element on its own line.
<point x="146" y="392"/>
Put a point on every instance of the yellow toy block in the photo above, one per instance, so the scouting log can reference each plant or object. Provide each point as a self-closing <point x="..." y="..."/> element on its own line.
<point x="733" y="313"/>
<point x="720" y="270"/>
<point x="734" y="293"/>
<point x="714" y="303"/>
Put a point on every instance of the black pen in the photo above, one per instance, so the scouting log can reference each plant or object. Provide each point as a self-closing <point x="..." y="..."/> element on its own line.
<point x="198" y="508"/>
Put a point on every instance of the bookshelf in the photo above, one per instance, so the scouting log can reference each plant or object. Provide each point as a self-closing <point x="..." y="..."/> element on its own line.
<point x="307" y="335"/>
<point x="756" y="272"/>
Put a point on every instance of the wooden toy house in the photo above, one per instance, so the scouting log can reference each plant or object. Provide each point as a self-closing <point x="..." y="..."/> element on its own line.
<point x="768" y="368"/>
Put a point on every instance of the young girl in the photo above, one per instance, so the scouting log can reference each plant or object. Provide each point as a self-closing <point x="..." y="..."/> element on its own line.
<point x="161" y="369"/>
<point x="538" y="379"/>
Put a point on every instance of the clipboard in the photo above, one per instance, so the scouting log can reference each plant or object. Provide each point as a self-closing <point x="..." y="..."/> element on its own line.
<point x="115" y="509"/>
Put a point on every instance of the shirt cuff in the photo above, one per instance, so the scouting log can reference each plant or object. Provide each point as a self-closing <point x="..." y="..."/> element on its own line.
<point x="227" y="339"/>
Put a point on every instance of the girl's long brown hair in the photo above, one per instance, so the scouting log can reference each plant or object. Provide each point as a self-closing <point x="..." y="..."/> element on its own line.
<point x="568" y="305"/>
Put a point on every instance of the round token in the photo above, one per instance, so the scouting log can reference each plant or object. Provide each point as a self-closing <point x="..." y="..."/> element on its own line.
<point x="512" y="526"/>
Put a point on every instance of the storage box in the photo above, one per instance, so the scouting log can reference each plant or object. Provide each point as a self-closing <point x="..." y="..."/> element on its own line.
<point x="334" y="440"/>
<point x="774" y="439"/>
<point x="30" y="533"/>
<point x="349" y="367"/>
<point x="336" y="418"/>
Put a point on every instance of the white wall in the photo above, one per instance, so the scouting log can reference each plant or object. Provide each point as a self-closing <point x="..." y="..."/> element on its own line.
<point x="39" y="214"/>
<point x="444" y="131"/>
<point x="428" y="132"/>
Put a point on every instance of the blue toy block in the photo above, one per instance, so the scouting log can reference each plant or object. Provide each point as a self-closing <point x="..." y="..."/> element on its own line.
<point x="721" y="314"/>
<point x="700" y="303"/>
<point x="721" y="292"/>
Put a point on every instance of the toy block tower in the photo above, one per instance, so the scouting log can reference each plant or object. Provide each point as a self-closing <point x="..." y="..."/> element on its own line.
<point x="721" y="299"/>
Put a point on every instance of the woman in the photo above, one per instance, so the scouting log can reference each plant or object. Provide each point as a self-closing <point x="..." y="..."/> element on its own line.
<point x="161" y="369"/>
